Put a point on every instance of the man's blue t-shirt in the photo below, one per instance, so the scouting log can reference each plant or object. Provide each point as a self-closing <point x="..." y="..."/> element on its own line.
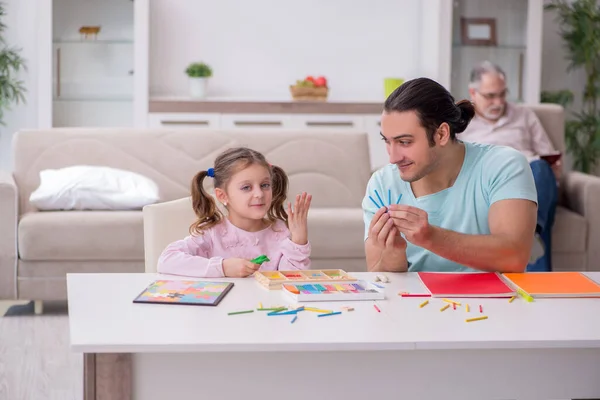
<point x="489" y="174"/>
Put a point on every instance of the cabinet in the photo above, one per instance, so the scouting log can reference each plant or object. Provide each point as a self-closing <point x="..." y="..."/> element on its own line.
<point x="86" y="63"/>
<point x="507" y="33"/>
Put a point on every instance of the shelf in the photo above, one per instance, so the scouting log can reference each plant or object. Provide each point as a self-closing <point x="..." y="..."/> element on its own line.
<point x="501" y="47"/>
<point x="97" y="99"/>
<point x="91" y="42"/>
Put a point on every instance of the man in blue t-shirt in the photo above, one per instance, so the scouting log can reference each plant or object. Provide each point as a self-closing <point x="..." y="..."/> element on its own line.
<point x="462" y="206"/>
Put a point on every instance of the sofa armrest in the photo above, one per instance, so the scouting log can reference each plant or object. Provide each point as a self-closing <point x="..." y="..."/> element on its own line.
<point x="8" y="236"/>
<point x="582" y="193"/>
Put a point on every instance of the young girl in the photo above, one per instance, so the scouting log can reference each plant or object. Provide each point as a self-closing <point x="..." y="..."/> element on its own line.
<point x="253" y="193"/>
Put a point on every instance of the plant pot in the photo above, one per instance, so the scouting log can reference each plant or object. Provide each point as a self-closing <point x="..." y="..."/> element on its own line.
<point x="198" y="87"/>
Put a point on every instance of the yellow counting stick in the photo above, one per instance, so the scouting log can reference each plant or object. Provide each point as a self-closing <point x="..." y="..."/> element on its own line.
<point x="525" y="295"/>
<point x="451" y="302"/>
<point x="468" y="309"/>
<point x="260" y="305"/>
<point x="476" y="319"/>
<point x="445" y="307"/>
<point x="317" y="310"/>
<point x="511" y="299"/>
<point x="423" y="304"/>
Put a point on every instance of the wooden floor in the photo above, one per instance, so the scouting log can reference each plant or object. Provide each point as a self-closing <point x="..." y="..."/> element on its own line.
<point x="35" y="360"/>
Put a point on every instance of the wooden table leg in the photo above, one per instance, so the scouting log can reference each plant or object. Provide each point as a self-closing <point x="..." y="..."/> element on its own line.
<point x="107" y="376"/>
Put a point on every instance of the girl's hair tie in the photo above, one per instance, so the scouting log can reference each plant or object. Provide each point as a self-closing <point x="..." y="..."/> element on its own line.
<point x="210" y="172"/>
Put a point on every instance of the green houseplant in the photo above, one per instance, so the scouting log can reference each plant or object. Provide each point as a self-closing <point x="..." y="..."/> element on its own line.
<point x="579" y="28"/>
<point x="198" y="73"/>
<point x="12" y="90"/>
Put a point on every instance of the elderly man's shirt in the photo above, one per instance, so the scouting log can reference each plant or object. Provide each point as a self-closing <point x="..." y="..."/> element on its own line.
<point x="518" y="128"/>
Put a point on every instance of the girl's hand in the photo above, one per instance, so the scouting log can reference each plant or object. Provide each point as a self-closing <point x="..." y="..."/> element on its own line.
<point x="239" y="267"/>
<point x="297" y="218"/>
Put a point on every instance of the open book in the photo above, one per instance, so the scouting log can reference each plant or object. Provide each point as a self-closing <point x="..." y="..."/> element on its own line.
<point x="554" y="284"/>
<point x="467" y="284"/>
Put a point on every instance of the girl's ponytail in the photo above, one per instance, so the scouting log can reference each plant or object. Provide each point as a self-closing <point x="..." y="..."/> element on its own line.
<point x="204" y="206"/>
<point x="279" y="186"/>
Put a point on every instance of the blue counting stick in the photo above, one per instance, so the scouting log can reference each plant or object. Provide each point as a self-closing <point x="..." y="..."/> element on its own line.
<point x="389" y="197"/>
<point x="374" y="202"/>
<point x="399" y="197"/>
<point x="379" y="198"/>
<point x="328" y="314"/>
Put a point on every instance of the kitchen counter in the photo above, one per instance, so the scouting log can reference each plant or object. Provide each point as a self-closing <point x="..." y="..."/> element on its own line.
<point x="254" y="106"/>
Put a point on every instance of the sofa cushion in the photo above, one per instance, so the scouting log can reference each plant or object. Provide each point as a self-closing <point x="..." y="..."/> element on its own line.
<point x="569" y="234"/>
<point x="336" y="233"/>
<point x="82" y="235"/>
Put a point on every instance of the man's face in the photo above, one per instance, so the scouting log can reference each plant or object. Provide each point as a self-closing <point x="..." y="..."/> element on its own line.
<point x="490" y="97"/>
<point x="407" y="145"/>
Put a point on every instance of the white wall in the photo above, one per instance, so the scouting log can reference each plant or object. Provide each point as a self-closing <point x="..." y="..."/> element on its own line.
<point x="20" y="20"/>
<point x="258" y="48"/>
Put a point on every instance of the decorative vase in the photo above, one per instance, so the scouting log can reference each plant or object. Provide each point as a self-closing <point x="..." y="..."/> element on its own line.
<point x="198" y="87"/>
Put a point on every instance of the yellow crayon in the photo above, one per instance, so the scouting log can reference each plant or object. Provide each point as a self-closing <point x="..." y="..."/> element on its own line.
<point x="511" y="299"/>
<point x="468" y="309"/>
<point x="476" y="319"/>
<point x="445" y="307"/>
<point x="423" y="304"/>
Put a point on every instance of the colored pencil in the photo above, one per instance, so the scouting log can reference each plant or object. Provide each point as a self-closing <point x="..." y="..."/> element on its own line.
<point x="240" y="312"/>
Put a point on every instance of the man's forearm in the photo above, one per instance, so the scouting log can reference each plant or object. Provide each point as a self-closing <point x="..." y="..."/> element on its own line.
<point x="392" y="260"/>
<point x="484" y="252"/>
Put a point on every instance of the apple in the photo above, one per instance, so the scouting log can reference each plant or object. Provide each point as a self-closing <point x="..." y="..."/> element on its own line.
<point x="321" y="82"/>
<point x="309" y="79"/>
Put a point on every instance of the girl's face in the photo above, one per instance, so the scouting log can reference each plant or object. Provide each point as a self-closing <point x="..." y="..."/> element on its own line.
<point x="248" y="193"/>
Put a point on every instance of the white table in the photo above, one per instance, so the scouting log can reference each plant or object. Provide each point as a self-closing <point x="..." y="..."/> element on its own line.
<point x="548" y="349"/>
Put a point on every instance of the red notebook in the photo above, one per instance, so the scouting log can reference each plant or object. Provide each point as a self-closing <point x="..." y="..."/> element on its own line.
<point x="469" y="284"/>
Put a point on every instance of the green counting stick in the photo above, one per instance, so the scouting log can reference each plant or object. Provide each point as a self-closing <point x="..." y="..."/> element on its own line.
<point x="260" y="259"/>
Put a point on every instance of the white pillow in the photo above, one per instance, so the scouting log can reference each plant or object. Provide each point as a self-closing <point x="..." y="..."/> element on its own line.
<point x="85" y="187"/>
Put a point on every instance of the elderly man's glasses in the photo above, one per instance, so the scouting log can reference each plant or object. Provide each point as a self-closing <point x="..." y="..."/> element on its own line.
<point x="492" y="96"/>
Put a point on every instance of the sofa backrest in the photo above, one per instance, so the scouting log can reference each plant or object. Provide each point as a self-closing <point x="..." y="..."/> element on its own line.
<point x="333" y="166"/>
<point x="552" y="117"/>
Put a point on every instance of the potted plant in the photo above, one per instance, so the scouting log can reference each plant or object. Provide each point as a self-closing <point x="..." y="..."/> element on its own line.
<point x="199" y="73"/>
<point x="12" y="89"/>
<point x="579" y="28"/>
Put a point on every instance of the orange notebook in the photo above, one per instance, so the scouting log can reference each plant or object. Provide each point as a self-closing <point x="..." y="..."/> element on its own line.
<point x="554" y="284"/>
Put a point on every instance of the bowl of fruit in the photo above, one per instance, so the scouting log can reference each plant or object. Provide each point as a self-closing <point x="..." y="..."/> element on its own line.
<point x="310" y="89"/>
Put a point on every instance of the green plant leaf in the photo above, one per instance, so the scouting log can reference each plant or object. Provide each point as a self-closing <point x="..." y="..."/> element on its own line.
<point x="198" y="70"/>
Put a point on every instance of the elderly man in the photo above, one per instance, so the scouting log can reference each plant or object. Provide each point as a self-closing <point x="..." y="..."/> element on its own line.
<point x="499" y="122"/>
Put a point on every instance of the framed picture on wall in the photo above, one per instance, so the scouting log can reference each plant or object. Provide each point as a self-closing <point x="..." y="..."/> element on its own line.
<point x="478" y="31"/>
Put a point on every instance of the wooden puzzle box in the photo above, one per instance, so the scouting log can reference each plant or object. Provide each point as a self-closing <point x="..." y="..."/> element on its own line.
<point x="273" y="280"/>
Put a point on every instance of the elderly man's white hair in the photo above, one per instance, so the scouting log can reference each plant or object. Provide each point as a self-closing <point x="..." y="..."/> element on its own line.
<point x="486" y="67"/>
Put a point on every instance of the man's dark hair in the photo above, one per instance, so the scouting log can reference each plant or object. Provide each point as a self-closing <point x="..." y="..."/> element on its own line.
<point x="433" y="104"/>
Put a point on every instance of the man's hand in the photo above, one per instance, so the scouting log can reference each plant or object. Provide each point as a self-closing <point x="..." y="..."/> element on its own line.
<point x="557" y="169"/>
<point x="385" y="248"/>
<point x="383" y="234"/>
<point x="413" y="223"/>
